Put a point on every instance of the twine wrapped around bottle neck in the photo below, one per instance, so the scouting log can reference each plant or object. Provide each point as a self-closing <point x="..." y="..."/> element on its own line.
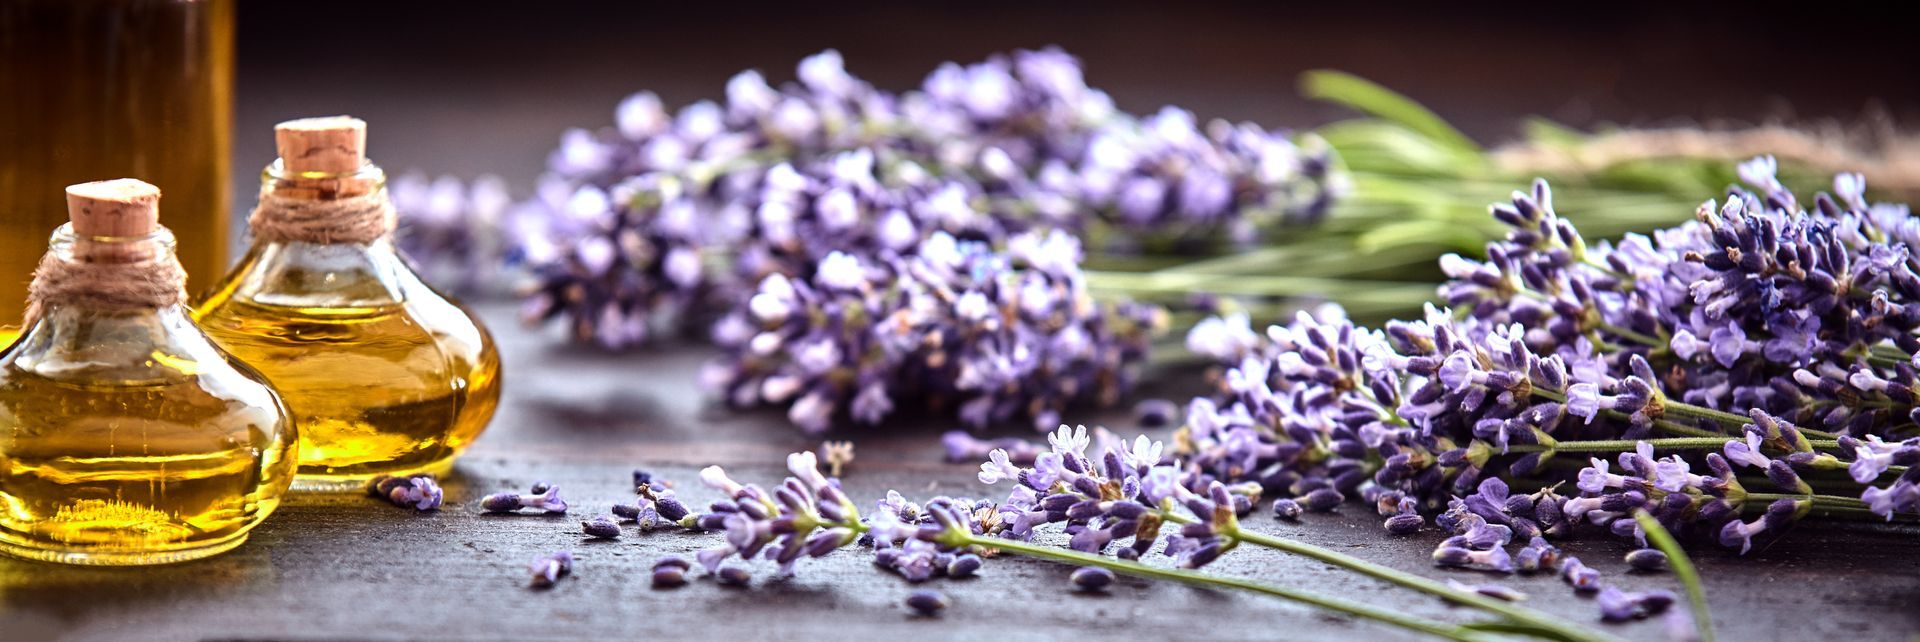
<point x="150" y="281"/>
<point x="360" y="218"/>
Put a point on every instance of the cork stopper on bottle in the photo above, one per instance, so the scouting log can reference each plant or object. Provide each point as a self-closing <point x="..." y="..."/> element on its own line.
<point x="122" y="207"/>
<point x="327" y="145"/>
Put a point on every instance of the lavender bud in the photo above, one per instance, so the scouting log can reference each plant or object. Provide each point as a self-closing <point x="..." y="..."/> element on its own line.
<point x="540" y="488"/>
<point x="1647" y="559"/>
<point x="734" y="576"/>
<point x="1322" y="500"/>
<point x="669" y="576"/>
<point x="601" y="527"/>
<point x="968" y="564"/>
<point x="642" y="478"/>
<point x="1091" y="578"/>
<point x="1286" y="509"/>
<point x="670" y="508"/>
<point x="626" y="511"/>
<point x="1405" y="523"/>
<point x="927" y="602"/>
<point x="500" y="503"/>
<point x="674" y="561"/>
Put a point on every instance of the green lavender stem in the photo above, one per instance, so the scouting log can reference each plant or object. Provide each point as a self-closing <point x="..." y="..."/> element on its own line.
<point x="1682" y="568"/>
<point x="1544" y="625"/>
<point x="1626" y="445"/>
<point x="1394" y="618"/>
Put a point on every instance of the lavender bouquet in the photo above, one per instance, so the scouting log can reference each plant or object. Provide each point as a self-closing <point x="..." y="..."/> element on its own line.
<point x="1766" y="346"/>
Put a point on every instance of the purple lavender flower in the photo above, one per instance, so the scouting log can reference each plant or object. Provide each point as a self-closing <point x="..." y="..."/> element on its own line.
<point x="806" y="516"/>
<point x="548" y="501"/>
<point x="419" y="492"/>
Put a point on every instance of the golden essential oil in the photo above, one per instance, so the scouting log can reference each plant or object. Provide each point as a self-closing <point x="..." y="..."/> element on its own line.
<point x="384" y="375"/>
<point x="126" y="437"/>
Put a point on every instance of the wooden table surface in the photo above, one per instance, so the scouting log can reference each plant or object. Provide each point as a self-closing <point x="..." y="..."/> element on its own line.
<point x="348" y="567"/>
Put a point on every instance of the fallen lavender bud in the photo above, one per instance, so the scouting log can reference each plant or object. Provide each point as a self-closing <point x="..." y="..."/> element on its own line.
<point x="1496" y="591"/>
<point x="1578" y="575"/>
<point x="966" y="565"/>
<point x="670" y="571"/>
<point x="1322" y="500"/>
<point x="1536" y="556"/>
<point x="1287" y="509"/>
<point x="601" y="527"/>
<point x="734" y="576"/>
<point x="548" y="501"/>
<point x="670" y="508"/>
<point x="540" y="488"/>
<point x="1647" y="559"/>
<point x="1155" y="413"/>
<point x="548" y="570"/>
<point x="642" y="478"/>
<point x="1405" y="523"/>
<point x="1091" y="578"/>
<point x="927" y="602"/>
<point x="1620" y="606"/>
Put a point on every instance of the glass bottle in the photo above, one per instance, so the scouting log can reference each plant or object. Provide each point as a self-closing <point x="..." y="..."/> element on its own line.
<point x="126" y="436"/>
<point x="92" y="88"/>
<point x="385" y="375"/>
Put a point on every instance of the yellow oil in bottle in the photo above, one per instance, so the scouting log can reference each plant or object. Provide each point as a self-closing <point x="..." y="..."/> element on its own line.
<point x="384" y="375"/>
<point x="154" y="472"/>
<point x="376" y="390"/>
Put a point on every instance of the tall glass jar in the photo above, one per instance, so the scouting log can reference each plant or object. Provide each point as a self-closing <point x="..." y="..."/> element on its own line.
<point x="92" y="88"/>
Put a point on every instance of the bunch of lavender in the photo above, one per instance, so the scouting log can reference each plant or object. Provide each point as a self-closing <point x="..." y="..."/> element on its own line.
<point x="996" y="335"/>
<point x="1722" y="330"/>
<point x="782" y="177"/>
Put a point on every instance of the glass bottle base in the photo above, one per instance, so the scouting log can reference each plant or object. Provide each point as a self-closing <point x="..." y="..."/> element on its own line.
<point x="81" y="557"/>
<point x="316" y="479"/>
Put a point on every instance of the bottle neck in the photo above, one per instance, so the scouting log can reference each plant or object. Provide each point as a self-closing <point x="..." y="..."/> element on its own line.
<point x="323" y="208"/>
<point x="101" y="275"/>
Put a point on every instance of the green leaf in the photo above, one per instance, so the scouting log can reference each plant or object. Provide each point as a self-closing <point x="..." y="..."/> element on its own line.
<point x="1366" y="96"/>
<point x="1682" y="568"/>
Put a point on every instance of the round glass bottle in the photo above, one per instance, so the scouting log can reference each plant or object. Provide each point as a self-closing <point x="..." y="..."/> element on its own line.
<point x="385" y="375"/>
<point x="126" y="436"/>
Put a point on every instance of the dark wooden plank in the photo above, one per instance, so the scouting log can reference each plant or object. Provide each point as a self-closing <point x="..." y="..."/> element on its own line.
<point x="346" y="567"/>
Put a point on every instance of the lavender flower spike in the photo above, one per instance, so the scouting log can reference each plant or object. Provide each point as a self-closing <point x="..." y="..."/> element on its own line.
<point x="549" y="501"/>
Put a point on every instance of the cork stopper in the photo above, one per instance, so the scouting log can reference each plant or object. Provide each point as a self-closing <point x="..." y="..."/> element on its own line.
<point x="327" y="145"/>
<point x="122" y="207"/>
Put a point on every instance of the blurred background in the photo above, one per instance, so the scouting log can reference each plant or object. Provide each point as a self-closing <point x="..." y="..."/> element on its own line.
<point x="186" y="93"/>
<point x="487" y="87"/>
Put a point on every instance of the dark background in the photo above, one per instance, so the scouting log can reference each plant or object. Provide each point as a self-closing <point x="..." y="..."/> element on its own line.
<point x="472" y="88"/>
